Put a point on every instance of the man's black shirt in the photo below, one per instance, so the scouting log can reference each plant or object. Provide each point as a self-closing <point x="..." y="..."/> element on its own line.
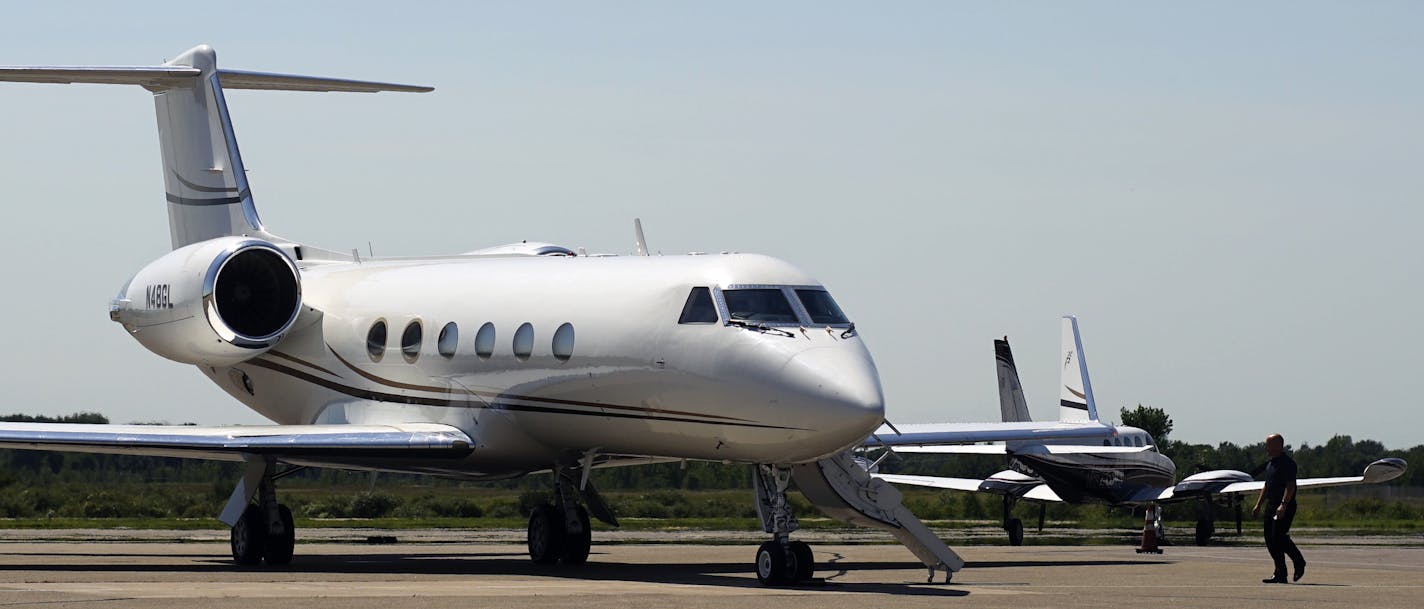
<point x="1280" y="472"/>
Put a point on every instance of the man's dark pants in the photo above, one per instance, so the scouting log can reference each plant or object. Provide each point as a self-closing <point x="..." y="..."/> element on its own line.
<point x="1278" y="541"/>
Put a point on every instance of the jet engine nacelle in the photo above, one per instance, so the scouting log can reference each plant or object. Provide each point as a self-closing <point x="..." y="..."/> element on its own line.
<point x="215" y="302"/>
<point x="523" y="248"/>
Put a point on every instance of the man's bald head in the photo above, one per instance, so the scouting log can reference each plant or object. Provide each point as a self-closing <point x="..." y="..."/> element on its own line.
<point x="1275" y="444"/>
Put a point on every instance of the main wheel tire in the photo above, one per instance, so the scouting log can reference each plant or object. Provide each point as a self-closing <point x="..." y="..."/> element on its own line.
<point x="1205" y="530"/>
<point x="576" y="545"/>
<point x="805" y="561"/>
<point x="278" y="549"/>
<point x="546" y="535"/>
<point x="249" y="537"/>
<point x="1015" y="529"/>
<point x="771" y="564"/>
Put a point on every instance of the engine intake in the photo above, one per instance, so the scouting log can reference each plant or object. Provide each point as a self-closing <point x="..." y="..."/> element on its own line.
<point x="216" y="302"/>
<point x="255" y="295"/>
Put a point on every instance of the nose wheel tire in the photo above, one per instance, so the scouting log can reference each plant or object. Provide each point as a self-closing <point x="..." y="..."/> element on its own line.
<point x="771" y="564"/>
<point x="546" y="535"/>
<point x="1015" y="529"/>
<point x="805" y="561"/>
<point x="780" y="564"/>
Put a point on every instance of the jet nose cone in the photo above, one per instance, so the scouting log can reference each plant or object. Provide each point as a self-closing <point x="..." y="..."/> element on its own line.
<point x="843" y="389"/>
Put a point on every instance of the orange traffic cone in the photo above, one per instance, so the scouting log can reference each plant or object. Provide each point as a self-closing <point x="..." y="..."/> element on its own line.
<point x="1149" y="533"/>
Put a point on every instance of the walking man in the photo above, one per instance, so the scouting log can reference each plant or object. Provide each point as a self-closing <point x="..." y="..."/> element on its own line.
<point x="1279" y="498"/>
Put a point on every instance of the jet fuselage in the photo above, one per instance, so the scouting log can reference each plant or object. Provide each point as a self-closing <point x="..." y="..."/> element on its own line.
<point x="536" y="357"/>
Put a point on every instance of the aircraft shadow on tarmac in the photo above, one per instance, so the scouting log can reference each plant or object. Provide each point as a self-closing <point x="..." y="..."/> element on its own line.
<point x="828" y="570"/>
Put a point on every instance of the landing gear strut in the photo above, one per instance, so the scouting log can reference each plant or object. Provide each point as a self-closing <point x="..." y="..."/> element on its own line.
<point x="780" y="561"/>
<point x="263" y="531"/>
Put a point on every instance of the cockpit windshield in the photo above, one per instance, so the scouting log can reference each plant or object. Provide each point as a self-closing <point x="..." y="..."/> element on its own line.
<point x="761" y="304"/>
<point x="821" y="307"/>
<point x="761" y="307"/>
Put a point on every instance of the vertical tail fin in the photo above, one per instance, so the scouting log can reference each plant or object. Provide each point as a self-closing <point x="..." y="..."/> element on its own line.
<point x="1075" y="399"/>
<point x="203" y="177"/>
<point x="205" y="183"/>
<point x="1012" y="405"/>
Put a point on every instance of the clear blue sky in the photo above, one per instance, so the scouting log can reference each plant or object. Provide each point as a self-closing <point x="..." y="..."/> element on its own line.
<point x="1227" y="194"/>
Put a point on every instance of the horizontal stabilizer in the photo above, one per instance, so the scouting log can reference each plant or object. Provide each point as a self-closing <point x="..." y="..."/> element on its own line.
<point x="242" y="79"/>
<point x="169" y="77"/>
<point x="153" y="77"/>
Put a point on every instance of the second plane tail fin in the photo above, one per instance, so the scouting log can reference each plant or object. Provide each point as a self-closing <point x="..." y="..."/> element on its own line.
<point x="1012" y="405"/>
<point x="1075" y="396"/>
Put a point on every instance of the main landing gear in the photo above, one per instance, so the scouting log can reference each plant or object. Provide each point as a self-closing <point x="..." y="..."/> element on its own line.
<point x="779" y="562"/>
<point x="263" y="531"/>
<point x="1013" y="526"/>
<point x="1206" y="520"/>
<point x="560" y="533"/>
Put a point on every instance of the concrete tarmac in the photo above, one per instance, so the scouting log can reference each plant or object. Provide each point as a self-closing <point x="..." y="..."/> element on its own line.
<point x="352" y="576"/>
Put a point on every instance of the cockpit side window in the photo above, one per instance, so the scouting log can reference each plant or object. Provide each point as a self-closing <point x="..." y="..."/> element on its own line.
<point x="761" y="304"/>
<point x="821" y="307"/>
<point x="699" y="308"/>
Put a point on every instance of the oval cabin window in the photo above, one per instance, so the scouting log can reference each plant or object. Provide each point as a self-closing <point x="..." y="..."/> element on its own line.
<point x="524" y="341"/>
<point x="484" y="341"/>
<point x="449" y="339"/>
<point x="376" y="340"/>
<point x="410" y="341"/>
<point x="564" y="342"/>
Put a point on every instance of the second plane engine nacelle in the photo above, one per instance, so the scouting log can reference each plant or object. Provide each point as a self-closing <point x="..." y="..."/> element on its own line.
<point x="523" y="248"/>
<point x="214" y="303"/>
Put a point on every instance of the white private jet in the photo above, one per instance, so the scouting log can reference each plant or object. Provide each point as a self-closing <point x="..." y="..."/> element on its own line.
<point x="1126" y="469"/>
<point x="490" y="364"/>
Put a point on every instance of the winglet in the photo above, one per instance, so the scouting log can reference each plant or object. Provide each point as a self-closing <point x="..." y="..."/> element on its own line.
<point x="1075" y="399"/>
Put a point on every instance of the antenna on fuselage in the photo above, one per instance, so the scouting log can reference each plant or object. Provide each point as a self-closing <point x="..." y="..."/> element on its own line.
<point x="638" y="233"/>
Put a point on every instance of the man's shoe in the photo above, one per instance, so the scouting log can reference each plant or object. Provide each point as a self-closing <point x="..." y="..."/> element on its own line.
<point x="1279" y="579"/>
<point x="1299" y="572"/>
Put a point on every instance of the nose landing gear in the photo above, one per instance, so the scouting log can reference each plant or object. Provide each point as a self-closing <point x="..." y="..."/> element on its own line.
<point x="779" y="562"/>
